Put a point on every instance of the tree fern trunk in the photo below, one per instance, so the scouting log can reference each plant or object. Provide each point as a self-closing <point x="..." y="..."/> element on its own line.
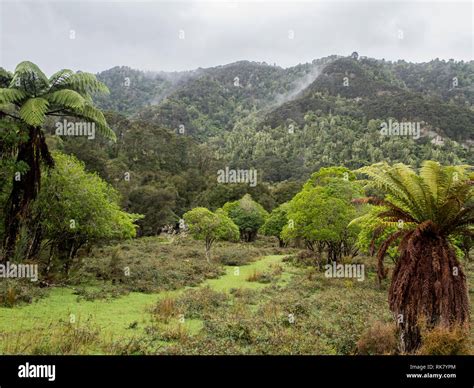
<point x="428" y="284"/>
<point x="25" y="189"/>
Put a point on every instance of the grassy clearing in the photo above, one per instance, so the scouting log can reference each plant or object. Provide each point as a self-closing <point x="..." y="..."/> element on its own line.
<point x="123" y="317"/>
<point x="268" y="306"/>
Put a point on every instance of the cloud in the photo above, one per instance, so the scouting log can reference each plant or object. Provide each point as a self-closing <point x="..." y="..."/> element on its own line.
<point x="145" y="35"/>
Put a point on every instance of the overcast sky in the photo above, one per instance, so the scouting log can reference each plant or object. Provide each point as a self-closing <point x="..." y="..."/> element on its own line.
<point x="147" y="35"/>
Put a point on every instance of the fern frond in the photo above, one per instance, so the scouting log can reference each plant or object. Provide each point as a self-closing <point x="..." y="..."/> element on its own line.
<point x="83" y="83"/>
<point x="59" y="77"/>
<point x="29" y="77"/>
<point x="67" y="98"/>
<point x="93" y="114"/>
<point x="10" y="96"/>
<point x="33" y="111"/>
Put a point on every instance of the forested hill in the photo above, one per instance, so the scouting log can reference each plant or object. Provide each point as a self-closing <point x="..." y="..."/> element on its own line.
<point x="207" y="102"/>
<point x="369" y="89"/>
<point x="176" y="130"/>
<point x="215" y="99"/>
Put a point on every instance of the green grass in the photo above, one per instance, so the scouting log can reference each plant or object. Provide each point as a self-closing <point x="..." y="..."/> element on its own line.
<point x="115" y="316"/>
<point x="233" y="279"/>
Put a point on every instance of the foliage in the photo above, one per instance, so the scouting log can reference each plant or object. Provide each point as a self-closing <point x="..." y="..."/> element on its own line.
<point x="248" y="215"/>
<point x="379" y="339"/>
<point x="208" y="226"/>
<point x="143" y="265"/>
<point x="275" y="222"/>
<point x="445" y="341"/>
<point x="321" y="212"/>
<point x="75" y="207"/>
<point x="28" y="97"/>
<point x="14" y="292"/>
<point x="428" y="207"/>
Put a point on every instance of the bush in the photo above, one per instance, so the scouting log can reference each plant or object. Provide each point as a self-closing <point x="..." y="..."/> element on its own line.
<point x="304" y="258"/>
<point x="444" y="341"/>
<point x="233" y="257"/>
<point x="261" y="277"/>
<point x="380" y="338"/>
<point x="17" y="291"/>
<point x="197" y="303"/>
<point x="107" y="291"/>
<point x="239" y="254"/>
<point x="165" y="308"/>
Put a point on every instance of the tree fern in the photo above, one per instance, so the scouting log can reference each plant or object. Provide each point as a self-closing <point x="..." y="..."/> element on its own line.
<point x="64" y="93"/>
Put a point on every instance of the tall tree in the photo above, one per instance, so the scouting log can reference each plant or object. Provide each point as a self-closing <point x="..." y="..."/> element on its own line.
<point x="428" y="209"/>
<point x="27" y="96"/>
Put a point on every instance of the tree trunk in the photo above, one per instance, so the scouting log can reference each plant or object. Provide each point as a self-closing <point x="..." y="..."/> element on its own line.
<point x="428" y="283"/>
<point x="208" y="250"/>
<point x="24" y="190"/>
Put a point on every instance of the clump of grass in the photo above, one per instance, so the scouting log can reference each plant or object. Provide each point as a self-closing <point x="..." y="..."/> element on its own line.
<point x="260" y="276"/>
<point x="175" y="332"/>
<point x="165" y="308"/>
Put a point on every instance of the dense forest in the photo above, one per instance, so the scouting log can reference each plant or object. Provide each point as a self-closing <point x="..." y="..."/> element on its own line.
<point x="288" y="123"/>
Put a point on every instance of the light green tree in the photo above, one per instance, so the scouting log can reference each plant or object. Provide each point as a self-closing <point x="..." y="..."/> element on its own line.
<point x="248" y="215"/>
<point x="210" y="227"/>
<point x="75" y="208"/>
<point x="321" y="221"/>
<point x="321" y="212"/>
<point x="275" y="223"/>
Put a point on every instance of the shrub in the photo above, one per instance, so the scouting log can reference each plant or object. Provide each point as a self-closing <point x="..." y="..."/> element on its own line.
<point x="235" y="257"/>
<point x="380" y="338"/>
<point x="197" y="303"/>
<point x="444" y="341"/>
<point x="17" y="291"/>
<point x="106" y="291"/>
<point x="147" y="265"/>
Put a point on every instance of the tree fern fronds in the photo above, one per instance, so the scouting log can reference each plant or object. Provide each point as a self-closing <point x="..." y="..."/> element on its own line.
<point x="33" y="111"/>
<point x="67" y="98"/>
<point x="83" y="83"/>
<point x="11" y="96"/>
<point x="30" y="77"/>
